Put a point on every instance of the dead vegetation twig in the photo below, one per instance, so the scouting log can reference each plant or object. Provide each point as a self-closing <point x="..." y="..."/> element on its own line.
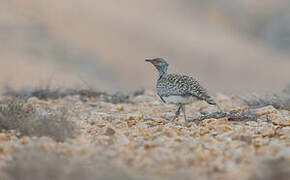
<point x="232" y="116"/>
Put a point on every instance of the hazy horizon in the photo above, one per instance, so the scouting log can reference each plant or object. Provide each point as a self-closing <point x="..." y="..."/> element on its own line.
<point x="230" y="46"/>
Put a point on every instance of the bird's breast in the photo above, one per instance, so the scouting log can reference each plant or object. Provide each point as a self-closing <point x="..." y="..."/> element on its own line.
<point x="174" y="99"/>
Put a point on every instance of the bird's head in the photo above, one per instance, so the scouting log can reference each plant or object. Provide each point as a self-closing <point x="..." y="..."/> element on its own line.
<point x="159" y="63"/>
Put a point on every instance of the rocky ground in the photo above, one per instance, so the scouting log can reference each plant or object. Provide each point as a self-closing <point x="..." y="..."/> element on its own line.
<point x="98" y="136"/>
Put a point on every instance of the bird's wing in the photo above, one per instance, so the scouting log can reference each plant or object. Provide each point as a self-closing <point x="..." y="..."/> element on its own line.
<point x="189" y="86"/>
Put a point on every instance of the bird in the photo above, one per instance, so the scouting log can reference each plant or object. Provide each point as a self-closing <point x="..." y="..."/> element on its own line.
<point x="178" y="89"/>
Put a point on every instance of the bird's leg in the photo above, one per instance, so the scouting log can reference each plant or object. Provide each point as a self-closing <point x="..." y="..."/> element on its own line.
<point x="219" y="108"/>
<point x="177" y="112"/>
<point x="184" y="115"/>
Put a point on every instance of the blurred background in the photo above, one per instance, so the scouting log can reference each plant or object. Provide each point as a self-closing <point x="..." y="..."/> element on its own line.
<point x="229" y="45"/>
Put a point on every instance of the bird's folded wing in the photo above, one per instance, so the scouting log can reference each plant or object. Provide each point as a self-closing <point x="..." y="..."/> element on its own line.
<point x="185" y="85"/>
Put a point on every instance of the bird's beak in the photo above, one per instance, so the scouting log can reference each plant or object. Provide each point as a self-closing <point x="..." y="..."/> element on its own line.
<point x="148" y="60"/>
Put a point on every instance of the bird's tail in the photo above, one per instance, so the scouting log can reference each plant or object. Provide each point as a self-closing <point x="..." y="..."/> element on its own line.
<point x="211" y="101"/>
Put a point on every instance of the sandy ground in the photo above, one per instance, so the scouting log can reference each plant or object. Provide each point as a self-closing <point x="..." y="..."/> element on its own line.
<point x="139" y="138"/>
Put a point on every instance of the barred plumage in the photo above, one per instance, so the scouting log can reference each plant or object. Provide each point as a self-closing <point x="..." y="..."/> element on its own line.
<point x="182" y="85"/>
<point x="178" y="89"/>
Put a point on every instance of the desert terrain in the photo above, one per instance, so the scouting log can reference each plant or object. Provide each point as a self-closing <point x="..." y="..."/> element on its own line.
<point x="65" y="135"/>
<point x="77" y="100"/>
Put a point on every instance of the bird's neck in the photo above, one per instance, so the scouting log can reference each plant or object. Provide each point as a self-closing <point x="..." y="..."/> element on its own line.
<point x="162" y="72"/>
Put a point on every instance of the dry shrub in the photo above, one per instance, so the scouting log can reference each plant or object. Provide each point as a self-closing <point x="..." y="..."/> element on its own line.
<point x="117" y="98"/>
<point x="48" y="93"/>
<point x="23" y="118"/>
<point x="278" y="100"/>
<point x="32" y="164"/>
<point x="45" y="93"/>
<point x="11" y="112"/>
<point x="287" y="89"/>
